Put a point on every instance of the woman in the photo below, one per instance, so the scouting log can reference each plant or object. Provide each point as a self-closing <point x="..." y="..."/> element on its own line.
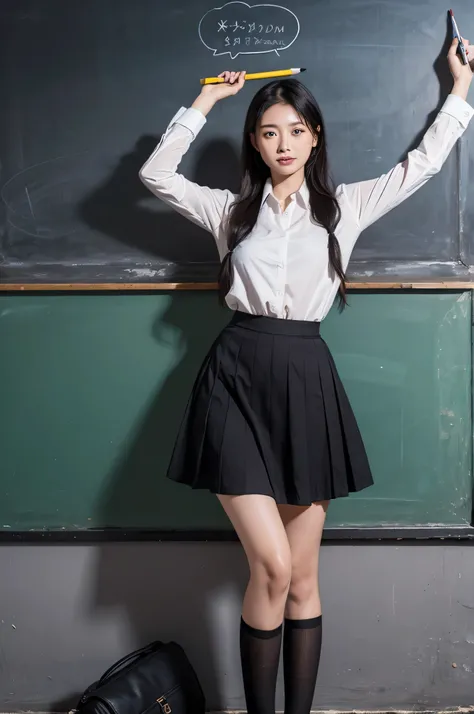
<point x="268" y="426"/>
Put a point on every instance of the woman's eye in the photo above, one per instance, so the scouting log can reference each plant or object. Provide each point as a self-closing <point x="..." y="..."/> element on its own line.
<point x="267" y="133"/>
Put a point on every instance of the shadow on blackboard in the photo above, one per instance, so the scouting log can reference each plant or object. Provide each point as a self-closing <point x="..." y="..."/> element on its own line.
<point x="159" y="596"/>
<point x="156" y="236"/>
<point x="441" y="68"/>
<point x="162" y="594"/>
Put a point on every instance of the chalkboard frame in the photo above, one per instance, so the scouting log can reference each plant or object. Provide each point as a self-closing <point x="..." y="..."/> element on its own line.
<point x="354" y="535"/>
<point x="399" y="284"/>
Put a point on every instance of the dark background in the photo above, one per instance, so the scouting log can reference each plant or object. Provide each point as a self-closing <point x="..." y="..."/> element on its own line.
<point x="87" y="87"/>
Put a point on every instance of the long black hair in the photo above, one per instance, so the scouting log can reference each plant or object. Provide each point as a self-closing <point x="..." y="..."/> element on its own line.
<point x="324" y="206"/>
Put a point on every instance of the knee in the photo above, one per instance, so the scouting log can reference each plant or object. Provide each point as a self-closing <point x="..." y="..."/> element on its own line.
<point x="275" y="573"/>
<point x="303" y="585"/>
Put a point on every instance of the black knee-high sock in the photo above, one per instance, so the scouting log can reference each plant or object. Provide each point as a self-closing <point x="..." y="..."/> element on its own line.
<point x="301" y="654"/>
<point x="260" y="655"/>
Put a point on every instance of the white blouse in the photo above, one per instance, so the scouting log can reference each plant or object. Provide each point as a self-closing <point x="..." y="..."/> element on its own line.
<point x="282" y="268"/>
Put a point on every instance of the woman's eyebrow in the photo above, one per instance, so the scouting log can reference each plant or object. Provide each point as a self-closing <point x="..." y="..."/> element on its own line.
<point x="275" y="126"/>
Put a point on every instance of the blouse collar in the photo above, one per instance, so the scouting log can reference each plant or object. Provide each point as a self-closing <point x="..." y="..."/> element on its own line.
<point x="301" y="195"/>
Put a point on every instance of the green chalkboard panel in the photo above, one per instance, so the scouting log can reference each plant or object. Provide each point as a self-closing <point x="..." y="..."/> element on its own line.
<point x="93" y="387"/>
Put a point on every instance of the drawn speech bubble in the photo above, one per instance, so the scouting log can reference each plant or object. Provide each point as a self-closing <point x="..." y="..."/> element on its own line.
<point x="237" y="28"/>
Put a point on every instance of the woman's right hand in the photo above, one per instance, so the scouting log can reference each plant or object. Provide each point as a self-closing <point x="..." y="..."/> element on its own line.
<point x="233" y="83"/>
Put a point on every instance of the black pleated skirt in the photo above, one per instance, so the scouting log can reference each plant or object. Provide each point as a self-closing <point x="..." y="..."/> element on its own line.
<point x="268" y="414"/>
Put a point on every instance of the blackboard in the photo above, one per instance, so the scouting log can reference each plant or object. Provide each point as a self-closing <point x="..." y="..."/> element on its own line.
<point x="94" y="386"/>
<point x="88" y="86"/>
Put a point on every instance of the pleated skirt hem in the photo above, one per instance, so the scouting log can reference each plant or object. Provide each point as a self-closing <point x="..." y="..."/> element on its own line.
<point x="314" y="499"/>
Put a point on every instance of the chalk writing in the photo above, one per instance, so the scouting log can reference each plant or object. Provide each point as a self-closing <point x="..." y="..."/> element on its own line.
<point x="238" y="28"/>
<point x="228" y="42"/>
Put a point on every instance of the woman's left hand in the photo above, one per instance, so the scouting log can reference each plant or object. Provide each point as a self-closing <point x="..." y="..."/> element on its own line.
<point x="459" y="70"/>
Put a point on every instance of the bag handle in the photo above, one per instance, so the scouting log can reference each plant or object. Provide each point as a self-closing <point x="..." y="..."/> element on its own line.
<point x="128" y="658"/>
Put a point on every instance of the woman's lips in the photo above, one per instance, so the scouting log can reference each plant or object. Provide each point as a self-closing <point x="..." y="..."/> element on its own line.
<point x="285" y="161"/>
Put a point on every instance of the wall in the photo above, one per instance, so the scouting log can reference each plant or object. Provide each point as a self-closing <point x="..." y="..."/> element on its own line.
<point x="396" y="618"/>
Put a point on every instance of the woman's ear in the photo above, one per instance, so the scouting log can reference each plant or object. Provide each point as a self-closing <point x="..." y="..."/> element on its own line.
<point x="253" y="141"/>
<point x="316" y="136"/>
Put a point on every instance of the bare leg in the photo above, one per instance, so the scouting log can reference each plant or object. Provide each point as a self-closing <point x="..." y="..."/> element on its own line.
<point x="303" y="620"/>
<point x="260" y="529"/>
<point x="304" y="528"/>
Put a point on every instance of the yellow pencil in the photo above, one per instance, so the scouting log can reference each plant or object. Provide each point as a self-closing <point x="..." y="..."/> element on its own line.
<point x="258" y="75"/>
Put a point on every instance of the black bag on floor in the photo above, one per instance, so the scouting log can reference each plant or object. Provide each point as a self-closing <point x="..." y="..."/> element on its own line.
<point x="157" y="679"/>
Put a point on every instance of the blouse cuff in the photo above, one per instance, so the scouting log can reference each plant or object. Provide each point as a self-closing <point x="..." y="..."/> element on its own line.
<point x="458" y="108"/>
<point x="191" y="118"/>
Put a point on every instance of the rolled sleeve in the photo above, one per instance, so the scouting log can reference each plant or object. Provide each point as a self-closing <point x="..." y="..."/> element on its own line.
<point x="192" y="119"/>
<point x="459" y="109"/>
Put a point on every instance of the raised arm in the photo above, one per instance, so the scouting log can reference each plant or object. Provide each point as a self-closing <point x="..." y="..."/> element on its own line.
<point x="372" y="199"/>
<point x="200" y="204"/>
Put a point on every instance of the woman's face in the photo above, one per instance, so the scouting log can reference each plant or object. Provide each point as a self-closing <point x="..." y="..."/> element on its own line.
<point x="281" y="135"/>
